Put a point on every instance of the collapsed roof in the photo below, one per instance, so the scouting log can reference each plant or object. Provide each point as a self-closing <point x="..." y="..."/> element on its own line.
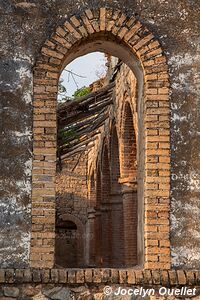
<point x="79" y="120"/>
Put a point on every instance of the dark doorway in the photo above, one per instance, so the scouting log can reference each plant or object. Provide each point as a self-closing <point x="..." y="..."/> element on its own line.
<point x="66" y="245"/>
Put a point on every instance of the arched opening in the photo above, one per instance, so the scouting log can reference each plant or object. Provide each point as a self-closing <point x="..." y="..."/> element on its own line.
<point x="104" y="239"/>
<point x="109" y="253"/>
<point x="69" y="242"/>
<point x="129" y="186"/>
<point x="128" y="146"/>
<point x="66" y="245"/>
<point x="112" y="32"/>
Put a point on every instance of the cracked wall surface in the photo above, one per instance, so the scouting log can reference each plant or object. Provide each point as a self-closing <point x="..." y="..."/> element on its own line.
<point x="26" y="25"/>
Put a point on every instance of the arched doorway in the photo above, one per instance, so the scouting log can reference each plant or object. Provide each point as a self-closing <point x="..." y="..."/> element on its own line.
<point x="69" y="243"/>
<point x="66" y="245"/>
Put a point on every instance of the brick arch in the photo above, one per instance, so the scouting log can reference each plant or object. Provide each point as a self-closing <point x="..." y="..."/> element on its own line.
<point x="128" y="154"/>
<point x="72" y="218"/>
<point x="92" y="199"/>
<point x="127" y="103"/>
<point x="137" y="47"/>
<point x="114" y="158"/>
<point x="91" y="184"/>
<point x="129" y="143"/>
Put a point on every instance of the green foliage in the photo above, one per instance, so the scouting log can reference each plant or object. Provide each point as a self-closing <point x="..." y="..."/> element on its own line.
<point x="65" y="135"/>
<point x="82" y="92"/>
<point x="62" y="92"/>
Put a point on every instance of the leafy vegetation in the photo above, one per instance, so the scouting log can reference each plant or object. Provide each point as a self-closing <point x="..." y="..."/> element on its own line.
<point x="67" y="134"/>
<point x="62" y="92"/>
<point x="81" y="92"/>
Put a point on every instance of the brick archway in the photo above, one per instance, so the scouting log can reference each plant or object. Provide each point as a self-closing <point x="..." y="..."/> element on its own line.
<point x="80" y="240"/>
<point x="136" y="46"/>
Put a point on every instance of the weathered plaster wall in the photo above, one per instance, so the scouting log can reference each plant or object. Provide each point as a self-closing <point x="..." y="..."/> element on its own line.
<point x="16" y="162"/>
<point x="25" y="26"/>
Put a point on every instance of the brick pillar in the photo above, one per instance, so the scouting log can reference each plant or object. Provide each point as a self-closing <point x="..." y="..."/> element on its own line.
<point x="117" y="230"/>
<point x="98" y="239"/>
<point x="129" y="191"/>
<point x="106" y="209"/>
<point x="91" y="237"/>
<point x="98" y="233"/>
<point x="106" y="234"/>
<point x="116" y="204"/>
<point x="42" y="250"/>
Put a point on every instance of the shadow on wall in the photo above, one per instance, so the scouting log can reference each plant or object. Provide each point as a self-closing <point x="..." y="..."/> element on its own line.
<point x="70" y="242"/>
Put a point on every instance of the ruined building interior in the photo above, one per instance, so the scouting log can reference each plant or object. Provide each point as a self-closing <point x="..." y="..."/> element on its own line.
<point x="97" y="179"/>
<point x="102" y="190"/>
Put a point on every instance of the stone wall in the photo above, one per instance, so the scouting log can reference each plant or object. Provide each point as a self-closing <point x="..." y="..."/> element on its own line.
<point x="90" y="284"/>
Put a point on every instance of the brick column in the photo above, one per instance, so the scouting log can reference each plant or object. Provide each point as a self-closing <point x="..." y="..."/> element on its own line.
<point x="106" y="234"/>
<point x="117" y="230"/>
<point x="43" y="176"/>
<point x="98" y="239"/>
<point x="116" y="203"/>
<point x="91" y="237"/>
<point x="129" y="191"/>
<point x="105" y="208"/>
